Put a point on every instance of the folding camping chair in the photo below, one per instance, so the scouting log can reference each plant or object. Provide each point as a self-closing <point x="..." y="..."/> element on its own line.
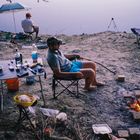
<point x="67" y="82"/>
<point x="29" y="35"/>
<point x="136" y="31"/>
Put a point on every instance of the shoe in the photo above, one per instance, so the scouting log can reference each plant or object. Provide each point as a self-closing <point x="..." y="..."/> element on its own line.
<point x="99" y="84"/>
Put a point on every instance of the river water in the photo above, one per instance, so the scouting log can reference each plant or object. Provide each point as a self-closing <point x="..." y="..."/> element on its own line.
<point x="76" y="16"/>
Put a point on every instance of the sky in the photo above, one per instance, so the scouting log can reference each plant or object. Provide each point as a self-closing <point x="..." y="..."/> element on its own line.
<point x="76" y="16"/>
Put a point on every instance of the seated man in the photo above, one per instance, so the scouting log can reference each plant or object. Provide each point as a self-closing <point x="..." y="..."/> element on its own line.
<point x="28" y="26"/>
<point x="61" y="64"/>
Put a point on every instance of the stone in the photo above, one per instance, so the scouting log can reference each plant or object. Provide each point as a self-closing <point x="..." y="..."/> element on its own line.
<point x="123" y="133"/>
<point x="136" y="115"/>
<point x="128" y="94"/>
<point x="134" y="131"/>
<point x="137" y="93"/>
<point x="121" y="78"/>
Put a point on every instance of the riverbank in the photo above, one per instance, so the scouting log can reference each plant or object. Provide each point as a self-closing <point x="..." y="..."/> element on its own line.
<point x="117" y="51"/>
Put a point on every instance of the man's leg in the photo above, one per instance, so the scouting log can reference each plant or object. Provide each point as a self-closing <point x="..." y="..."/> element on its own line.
<point x="89" y="71"/>
<point x="89" y="76"/>
<point x="89" y="64"/>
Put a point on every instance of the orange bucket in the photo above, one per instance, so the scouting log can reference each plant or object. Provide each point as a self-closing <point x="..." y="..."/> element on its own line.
<point x="13" y="84"/>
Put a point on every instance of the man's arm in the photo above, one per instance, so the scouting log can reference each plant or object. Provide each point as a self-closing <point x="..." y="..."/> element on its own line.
<point x="32" y="24"/>
<point x="72" y="56"/>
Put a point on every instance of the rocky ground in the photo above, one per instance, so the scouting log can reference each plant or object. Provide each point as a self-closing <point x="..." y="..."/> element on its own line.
<point x="117" y="51"/>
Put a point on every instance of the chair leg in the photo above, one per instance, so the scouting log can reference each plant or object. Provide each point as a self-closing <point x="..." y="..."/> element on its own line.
<point x="138" y="40"/>
<point x="53" y="88"/>
<point x="30" y="37"/>
<point x="77" y="86"/>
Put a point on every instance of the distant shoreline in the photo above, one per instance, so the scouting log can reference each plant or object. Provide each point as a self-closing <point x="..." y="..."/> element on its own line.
<point x="45" y="34"/>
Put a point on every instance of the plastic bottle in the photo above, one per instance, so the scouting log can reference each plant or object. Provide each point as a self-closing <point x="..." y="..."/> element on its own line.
<point x="18" y="57"/>
<point x="34" y="53"/>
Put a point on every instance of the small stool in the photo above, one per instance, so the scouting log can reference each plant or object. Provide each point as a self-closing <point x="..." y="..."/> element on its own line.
<point x="24" y="115"/>
<point x="29" y="36"/>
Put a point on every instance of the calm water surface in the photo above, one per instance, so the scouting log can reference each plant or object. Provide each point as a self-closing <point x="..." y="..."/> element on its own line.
<point x="76" y="16"/>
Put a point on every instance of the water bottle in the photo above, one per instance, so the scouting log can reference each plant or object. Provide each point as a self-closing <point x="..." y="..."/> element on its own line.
<point x="34" y="54"/>
<point x="18" y="57"/>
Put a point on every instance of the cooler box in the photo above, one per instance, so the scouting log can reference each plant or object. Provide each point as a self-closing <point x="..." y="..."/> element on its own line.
<point x="12" y="84"/>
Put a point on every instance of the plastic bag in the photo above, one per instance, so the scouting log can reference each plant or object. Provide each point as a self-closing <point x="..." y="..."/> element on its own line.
<point x="49" y="112"/>
<point x="61" y="116"/>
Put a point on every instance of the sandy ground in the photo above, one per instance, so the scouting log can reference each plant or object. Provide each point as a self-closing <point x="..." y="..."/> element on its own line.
<point x="116" y="51"/>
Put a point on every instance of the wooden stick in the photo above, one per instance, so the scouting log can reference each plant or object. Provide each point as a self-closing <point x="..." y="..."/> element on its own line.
<point x="114" y="72"/>
<point x="59" y="138"/>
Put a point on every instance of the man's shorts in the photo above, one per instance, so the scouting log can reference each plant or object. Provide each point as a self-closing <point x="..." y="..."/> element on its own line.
<point x="76" y="66"/>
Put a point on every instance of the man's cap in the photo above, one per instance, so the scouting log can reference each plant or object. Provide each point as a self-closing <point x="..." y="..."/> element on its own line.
<point x="52" y="41"/>
<point x="28" y="15"/>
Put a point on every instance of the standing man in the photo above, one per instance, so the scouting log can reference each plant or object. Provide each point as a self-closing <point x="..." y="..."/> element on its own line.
<point x="28" y="25"/>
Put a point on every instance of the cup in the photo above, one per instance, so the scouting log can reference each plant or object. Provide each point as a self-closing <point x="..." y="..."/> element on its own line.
<point x="11" y="68"/>
<point x="34" y="56"/>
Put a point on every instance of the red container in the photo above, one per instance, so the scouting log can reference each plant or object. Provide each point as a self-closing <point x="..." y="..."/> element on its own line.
<point x="12" y="84"/>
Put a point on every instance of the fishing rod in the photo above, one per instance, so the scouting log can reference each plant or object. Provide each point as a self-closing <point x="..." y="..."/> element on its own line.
<point x="114" y="72"/>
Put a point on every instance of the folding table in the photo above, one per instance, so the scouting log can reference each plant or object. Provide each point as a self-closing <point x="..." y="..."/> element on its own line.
<point x="10" y="74"/>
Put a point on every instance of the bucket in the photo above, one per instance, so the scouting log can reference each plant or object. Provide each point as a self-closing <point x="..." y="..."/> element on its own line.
<point x="30" y="80"/>
<point x="12" y="84"/>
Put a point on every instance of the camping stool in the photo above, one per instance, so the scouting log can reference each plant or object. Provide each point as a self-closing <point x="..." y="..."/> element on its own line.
<point x="24" y="115"/>
<point x="29" y="36"/>
<point x="136" y="31"/>
<point x="30" y="80"/>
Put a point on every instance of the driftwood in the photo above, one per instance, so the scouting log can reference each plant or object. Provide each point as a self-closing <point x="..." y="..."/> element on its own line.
<point x="59" y="138"/>
<point x="112" y="137"/>
<point x="114" y="72"/>
<point x="75" y="131"/>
